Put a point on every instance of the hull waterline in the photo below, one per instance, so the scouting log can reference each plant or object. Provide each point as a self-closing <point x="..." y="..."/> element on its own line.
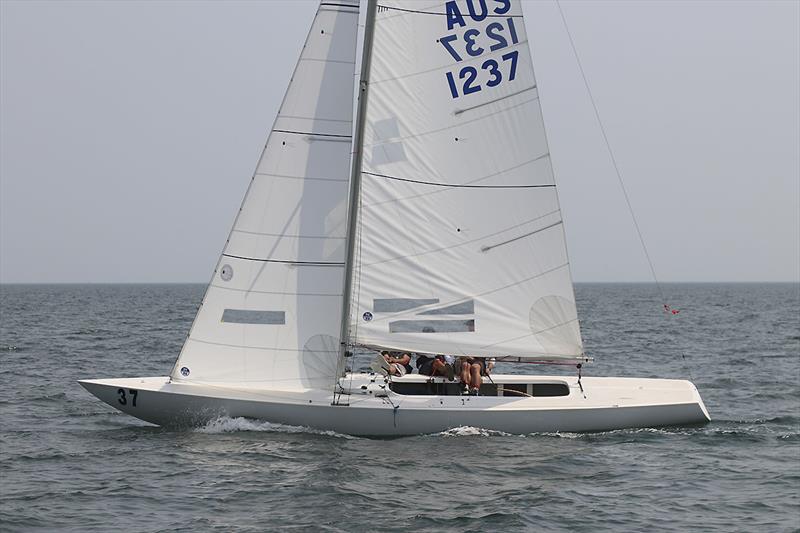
<point x="372" y="410"/>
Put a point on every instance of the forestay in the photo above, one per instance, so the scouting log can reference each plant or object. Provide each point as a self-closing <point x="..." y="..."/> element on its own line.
<point x="461" y="246"/>
<point x="272" y="312"/>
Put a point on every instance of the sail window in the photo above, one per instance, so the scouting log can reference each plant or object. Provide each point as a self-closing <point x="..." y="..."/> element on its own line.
<point x="385" y="150"/>
<point x="463" y="308"/>
<point x="431" y="326"/>
<point x="395" y="305"/>
<point x="246" y="316"/>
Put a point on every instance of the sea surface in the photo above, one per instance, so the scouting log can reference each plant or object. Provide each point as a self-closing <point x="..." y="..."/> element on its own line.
<point x="71" y="463"/>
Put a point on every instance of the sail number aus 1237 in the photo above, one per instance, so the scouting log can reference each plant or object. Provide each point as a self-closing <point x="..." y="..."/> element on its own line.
<point x="475" y="42"/>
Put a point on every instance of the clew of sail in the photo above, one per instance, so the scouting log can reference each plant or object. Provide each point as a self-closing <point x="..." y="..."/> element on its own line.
<point x="272" y="312"/>
<point x="461" y="246"/>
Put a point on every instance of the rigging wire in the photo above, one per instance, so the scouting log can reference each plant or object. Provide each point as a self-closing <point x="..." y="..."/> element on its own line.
<point x="667" y="309"/>
<point x="611" y="154"/>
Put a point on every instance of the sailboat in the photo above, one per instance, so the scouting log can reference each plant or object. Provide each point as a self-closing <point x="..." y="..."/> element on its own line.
<point x="410" y="208"/>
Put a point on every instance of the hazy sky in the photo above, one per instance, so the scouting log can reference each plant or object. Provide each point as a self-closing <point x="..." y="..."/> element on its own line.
<point x="129" y="132"/>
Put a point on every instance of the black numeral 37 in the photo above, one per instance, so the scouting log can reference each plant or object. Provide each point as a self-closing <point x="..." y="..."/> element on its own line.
<point x="123" y="399"/>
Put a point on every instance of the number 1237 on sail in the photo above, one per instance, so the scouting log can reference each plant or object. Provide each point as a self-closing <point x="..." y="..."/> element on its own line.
<point x="495" y="39"/>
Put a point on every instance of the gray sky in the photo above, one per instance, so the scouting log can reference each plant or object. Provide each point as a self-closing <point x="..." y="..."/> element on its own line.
<point x="129" y="132"/>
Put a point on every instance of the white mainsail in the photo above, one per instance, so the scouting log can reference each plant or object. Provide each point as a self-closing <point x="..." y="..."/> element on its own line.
<point x="272" y="313"/>
<point x="460" y="243"/>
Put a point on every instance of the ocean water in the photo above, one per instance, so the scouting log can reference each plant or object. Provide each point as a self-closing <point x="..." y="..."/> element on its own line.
<point x="71" y="463"/>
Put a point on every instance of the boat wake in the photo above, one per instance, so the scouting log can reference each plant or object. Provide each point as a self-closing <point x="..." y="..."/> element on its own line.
<point x="470" y="431"/>
<point x="225" y="424"/>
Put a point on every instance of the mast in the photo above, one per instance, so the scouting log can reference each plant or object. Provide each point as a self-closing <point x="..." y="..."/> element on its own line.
<point x="355" y="184"/>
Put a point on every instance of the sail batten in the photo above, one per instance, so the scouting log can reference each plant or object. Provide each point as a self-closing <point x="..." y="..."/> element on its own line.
<point x="458" y="200"/>
<point x="461" y="124"/>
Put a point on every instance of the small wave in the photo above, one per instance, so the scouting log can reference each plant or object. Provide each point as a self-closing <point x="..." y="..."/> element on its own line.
<point x="91" y="331"/>
<point x="225" y="424"/>
<point x="58" y="396"/>
<point x="781" y="419"/>
<point x="746" y="433"/>
<point x="670" y="431"/>
<point x="560" y="435"/>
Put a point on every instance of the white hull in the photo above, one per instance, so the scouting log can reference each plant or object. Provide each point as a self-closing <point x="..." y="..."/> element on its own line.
<point x="604" y="404"/>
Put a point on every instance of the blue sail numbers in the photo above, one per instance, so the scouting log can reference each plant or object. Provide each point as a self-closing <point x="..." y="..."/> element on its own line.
<point x="468" y="43"/>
